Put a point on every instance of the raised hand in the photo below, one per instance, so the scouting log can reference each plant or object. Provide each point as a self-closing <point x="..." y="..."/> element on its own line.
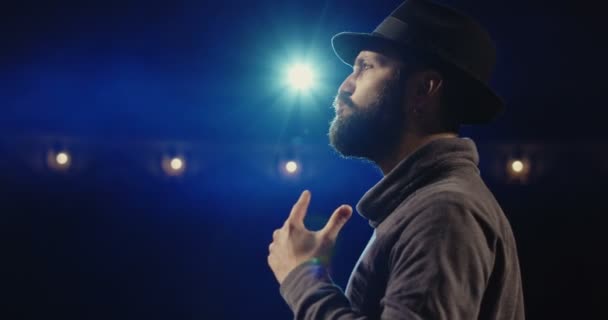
<point x="293" y="244"/>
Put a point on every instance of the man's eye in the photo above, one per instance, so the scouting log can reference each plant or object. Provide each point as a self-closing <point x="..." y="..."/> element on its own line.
<point x="361" y="66"/>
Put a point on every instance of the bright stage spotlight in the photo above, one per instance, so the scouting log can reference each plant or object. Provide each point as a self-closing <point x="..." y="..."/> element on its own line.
<point x="300" y="77"/>
<point x="58" y="160"/>
<point x="173" y="166"/>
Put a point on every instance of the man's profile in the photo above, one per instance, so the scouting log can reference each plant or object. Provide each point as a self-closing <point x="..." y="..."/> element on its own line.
<point x="442" y="247"/>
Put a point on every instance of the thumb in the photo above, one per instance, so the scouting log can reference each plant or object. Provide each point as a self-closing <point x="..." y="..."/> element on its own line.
<point x="337" y="220"/>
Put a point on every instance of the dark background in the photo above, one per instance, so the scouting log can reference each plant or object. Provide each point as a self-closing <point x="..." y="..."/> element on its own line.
<point x="120" y="84"/>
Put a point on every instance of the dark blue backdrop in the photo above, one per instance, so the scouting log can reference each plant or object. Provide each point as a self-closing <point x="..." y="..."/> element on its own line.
<point x="122" y="82"/>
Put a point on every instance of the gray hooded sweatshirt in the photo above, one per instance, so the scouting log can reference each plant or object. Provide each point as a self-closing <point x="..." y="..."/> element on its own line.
<point x="441" y="248"/>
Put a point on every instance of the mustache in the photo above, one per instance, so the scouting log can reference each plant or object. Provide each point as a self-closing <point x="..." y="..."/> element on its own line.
<point x="344" y="98"/>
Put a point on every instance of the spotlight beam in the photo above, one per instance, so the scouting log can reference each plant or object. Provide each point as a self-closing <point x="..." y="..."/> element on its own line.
<point x="300" y="77"/>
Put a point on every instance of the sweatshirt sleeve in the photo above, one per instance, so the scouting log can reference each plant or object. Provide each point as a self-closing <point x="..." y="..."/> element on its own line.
<point x="439" y="268"/>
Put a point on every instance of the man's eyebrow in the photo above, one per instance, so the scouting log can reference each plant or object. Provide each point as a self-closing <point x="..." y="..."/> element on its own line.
<point x="376" y="59"/>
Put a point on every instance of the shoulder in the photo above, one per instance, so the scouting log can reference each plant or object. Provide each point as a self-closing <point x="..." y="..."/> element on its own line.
<point x="454" y="198"/>
<point x="445" y="207"/>
<point x="435" y="202"/>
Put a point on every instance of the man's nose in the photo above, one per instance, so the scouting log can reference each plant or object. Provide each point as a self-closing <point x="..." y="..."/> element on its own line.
<point x="348" y="85"/>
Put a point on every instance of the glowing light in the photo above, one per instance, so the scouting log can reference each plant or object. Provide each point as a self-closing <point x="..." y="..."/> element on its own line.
<point x="176" y="164"/>
<point x="62" y="158"/>
<point x="300" y="77"/>
<point x="517" y="166"/>
<point x="58" y="161"/>
<point x="173" y="166"/>
<point x="291" y="167"/>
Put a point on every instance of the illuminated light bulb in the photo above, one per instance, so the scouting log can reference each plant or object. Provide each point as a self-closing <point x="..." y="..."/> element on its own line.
<point x="62" y="158"/>
<point x="176" y="164"/>
<point x="517" y="166"/>
<point x="291" y="167"/>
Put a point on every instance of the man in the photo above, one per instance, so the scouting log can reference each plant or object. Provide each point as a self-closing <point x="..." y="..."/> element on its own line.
<point x="442" y="248"/>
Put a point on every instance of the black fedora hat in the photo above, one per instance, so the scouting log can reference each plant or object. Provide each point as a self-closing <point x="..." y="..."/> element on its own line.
<point x="436" y="32"/>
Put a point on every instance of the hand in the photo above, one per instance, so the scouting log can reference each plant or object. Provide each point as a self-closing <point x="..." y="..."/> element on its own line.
<point x="293" y="244"/>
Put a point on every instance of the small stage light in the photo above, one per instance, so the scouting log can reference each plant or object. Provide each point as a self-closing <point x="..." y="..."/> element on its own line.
<point x="62" y="158"/>
<point x="300" y="77"/>
<point x="518" y="170"/>
<point x="176" y="163"/>
<point x="173" y="166"/>
<point x="59" y="161"/>
<point x="517" y="166"/>
<point x="291" y="167"/>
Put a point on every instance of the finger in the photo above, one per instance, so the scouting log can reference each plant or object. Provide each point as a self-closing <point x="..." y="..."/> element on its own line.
<point x="270" y="246"/>
<point x="298" y="212"/>
<point x="275" y="234"/>
<point x="337" y="221"/>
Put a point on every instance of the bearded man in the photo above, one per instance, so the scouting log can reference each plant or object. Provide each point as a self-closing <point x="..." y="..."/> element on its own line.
<point x="442" y="247"/>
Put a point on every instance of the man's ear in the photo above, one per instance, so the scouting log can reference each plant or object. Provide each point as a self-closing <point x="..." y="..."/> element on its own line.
<point x="430" y="83"/>
<point x="427" y="86"/>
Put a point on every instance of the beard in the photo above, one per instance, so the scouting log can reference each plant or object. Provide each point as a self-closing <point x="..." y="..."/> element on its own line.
<point x="370" y="132"/>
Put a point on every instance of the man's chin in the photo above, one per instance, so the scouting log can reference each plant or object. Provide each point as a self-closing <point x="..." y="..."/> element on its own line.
<point x="350" y="153"/>
<point x="345" y="148"/>
<point x="343" y="152"/>
<point x="352" y="146"/>
<point x="334" y="141"/>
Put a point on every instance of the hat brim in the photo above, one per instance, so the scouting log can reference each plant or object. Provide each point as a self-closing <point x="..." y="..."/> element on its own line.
<point x="480" y="103"/>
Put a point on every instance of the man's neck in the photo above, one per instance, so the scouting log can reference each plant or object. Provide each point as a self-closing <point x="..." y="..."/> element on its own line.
<point x="410" y="143"/>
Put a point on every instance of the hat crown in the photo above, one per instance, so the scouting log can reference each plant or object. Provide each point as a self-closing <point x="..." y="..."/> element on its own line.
<point x="444" y="32"/>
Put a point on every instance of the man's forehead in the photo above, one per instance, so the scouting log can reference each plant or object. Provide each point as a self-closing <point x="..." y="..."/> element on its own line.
<point x="368" y="54"/>
<point x="376" y="55"/>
